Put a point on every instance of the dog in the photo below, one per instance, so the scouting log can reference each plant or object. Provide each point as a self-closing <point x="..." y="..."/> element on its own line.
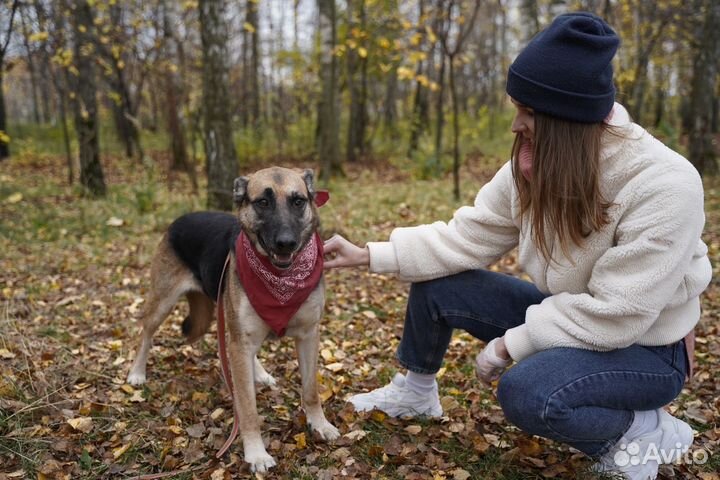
<point x="276" y="225"/>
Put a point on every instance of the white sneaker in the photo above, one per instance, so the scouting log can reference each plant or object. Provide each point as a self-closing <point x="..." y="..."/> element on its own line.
<point x="397" y="400"/>
<point x="639" y="458"/>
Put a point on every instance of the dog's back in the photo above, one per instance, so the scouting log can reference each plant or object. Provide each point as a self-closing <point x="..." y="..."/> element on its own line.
<point x="202" y="240"/>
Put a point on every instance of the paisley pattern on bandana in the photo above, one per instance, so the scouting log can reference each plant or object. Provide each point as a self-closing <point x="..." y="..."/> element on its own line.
<point x="282" y="284"/>
<point x="276" y="295"/>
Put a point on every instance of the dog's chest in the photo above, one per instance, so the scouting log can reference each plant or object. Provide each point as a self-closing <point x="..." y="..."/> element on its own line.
<point x="304" y="320"/>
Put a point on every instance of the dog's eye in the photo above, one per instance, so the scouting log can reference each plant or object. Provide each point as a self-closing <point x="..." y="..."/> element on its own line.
<point x="298" y="202"/>
<point x="262" y="202"/>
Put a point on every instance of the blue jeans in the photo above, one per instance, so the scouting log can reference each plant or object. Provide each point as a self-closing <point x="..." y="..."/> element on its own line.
<point x="579" y="397"/>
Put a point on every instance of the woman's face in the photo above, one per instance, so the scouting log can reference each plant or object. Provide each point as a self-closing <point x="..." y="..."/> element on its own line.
<point x="524" y="121"/>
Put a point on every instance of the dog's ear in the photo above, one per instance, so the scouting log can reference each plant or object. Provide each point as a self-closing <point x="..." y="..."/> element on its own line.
<point x="240" y="190"/>
<point x="309" y="177"/>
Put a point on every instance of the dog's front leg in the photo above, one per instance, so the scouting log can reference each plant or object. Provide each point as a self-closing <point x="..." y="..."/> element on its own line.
<point x="307" y="347"/>
<point x="242" y="353"/>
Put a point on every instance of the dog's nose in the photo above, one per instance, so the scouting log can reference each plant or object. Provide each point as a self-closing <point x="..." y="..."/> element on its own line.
<point x="286" y="243"/>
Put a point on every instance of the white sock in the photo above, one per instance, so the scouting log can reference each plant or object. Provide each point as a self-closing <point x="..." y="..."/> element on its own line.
<point x="420" y="383"/>
<point x="645" y="422"/>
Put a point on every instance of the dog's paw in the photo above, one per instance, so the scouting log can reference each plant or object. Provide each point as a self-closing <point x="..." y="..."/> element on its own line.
<point x="326" y="430"/>
<point x="136" y="378"/>
<point x="260" y="461"/>
<point x="264" y="378"/>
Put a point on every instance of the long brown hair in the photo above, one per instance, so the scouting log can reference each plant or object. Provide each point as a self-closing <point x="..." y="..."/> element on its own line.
<point x="563" y="196"/>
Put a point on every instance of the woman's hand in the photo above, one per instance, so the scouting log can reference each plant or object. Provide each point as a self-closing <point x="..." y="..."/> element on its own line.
<point x="492" y="361"/>
<point x="342" y="253"/>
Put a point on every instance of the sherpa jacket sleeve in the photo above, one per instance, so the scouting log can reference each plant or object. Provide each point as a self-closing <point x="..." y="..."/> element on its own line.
<point x="475" y="237"/>
<point x="634" y="280"/>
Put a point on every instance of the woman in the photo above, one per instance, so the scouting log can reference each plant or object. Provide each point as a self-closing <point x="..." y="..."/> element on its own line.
<point x="607" y="222"/>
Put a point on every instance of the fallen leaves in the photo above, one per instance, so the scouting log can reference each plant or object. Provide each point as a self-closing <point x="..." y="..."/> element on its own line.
<point x="81" y="424"/>
<point x="71" y="291"/>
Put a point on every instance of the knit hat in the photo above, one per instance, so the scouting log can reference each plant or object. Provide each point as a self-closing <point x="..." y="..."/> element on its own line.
<point x="566" y="70"/>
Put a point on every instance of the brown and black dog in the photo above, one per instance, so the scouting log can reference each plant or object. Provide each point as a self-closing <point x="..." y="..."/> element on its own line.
<point x="278" y="217"/>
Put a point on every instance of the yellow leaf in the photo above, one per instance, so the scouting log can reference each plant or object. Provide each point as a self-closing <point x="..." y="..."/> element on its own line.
<point x="81" y="424"/>
<point x="300" y="440"/>
<point x="127" y="389"/>
<point x="362" y="51"/>
<point x="249" y="27"/>
<point x="6" y="354"/>
<point x="378" y="416"/>
<point x="4" y="137"/>
<point x="38" y="37"/>
<point x="117" y="452"/>
<point x="335" y="367"/>
<point x="200" y="397"/>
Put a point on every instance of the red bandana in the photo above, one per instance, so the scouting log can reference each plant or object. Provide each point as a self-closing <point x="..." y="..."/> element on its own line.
<point x="276" y="295"/>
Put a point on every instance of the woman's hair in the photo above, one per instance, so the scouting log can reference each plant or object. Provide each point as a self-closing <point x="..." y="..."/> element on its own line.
<point x="563" y="196"/>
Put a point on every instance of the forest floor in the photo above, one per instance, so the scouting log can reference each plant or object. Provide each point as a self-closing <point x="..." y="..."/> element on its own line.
<point x="73" y="272"/>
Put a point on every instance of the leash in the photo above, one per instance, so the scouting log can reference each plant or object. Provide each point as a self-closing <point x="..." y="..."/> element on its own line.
<point x="225" y="368"/>
<point x="224" y="363"/>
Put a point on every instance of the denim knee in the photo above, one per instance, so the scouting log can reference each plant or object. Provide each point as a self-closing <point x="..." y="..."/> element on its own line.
<point x="521" y="402"/>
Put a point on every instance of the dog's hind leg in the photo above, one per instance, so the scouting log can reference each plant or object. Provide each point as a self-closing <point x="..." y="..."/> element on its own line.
<point x="169" y="279"/>
<point x="307" y="349"/>
<point x="198" y="322"/>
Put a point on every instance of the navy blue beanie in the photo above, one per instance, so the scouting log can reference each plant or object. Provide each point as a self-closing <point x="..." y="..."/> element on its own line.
<point x="566" y="70"/>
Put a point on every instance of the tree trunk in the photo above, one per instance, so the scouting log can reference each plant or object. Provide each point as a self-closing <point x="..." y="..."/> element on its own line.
<point x="174" y="101"/>
<point x="701" y="151"/>
<point x="456" y="131"/>
<point x="328" y="112"/>
<point x="32" y="70"/>
<point x="85" y="102"/>
<point x="357" y="81"/>
<point x="421" y="104"/>
<point x="252" y="75"/>
<point x="4" y="147"/>
<point x="440" y="112"/>
<point x="222" y="162"/>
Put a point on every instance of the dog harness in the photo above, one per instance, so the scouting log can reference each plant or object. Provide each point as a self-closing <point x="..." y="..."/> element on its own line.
<point x="275" y="294"/>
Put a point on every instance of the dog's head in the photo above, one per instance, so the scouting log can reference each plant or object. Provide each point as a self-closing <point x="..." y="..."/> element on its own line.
<point x="276" y="209"/>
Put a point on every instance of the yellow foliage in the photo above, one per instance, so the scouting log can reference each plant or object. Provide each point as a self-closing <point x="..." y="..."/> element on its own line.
<point x="416" y="39"/>
<point x="362" y="51"/>
<point x="384" y="42"/>
<point x="82" y="28"/>
<point x="405" y="73"/>
<point x="4" y="137"/>
<point x="39" y="37"/>
<point x="352" y="44"/>
<point x="249" y="27"/>
<point x="430" y="34"/>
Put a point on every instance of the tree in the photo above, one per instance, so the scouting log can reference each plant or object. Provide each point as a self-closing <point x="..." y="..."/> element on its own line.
<point x="251" y="66"/>
<point x="357" y="80"/>
<point x="222" y="162"/>
<point x="174" y="94"/>
<point x="451" y="52"/>
<point x="4" y="149"/>
<point x="328" y="114"/>
<point x="704" y="87"/>
<point x="85" y="99"/>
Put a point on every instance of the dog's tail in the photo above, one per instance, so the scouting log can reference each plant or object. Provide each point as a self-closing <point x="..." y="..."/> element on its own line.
<point x="198" y="322"/>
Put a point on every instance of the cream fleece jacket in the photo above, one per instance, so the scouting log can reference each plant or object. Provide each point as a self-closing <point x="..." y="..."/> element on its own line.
<point x="637" y="280"/>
